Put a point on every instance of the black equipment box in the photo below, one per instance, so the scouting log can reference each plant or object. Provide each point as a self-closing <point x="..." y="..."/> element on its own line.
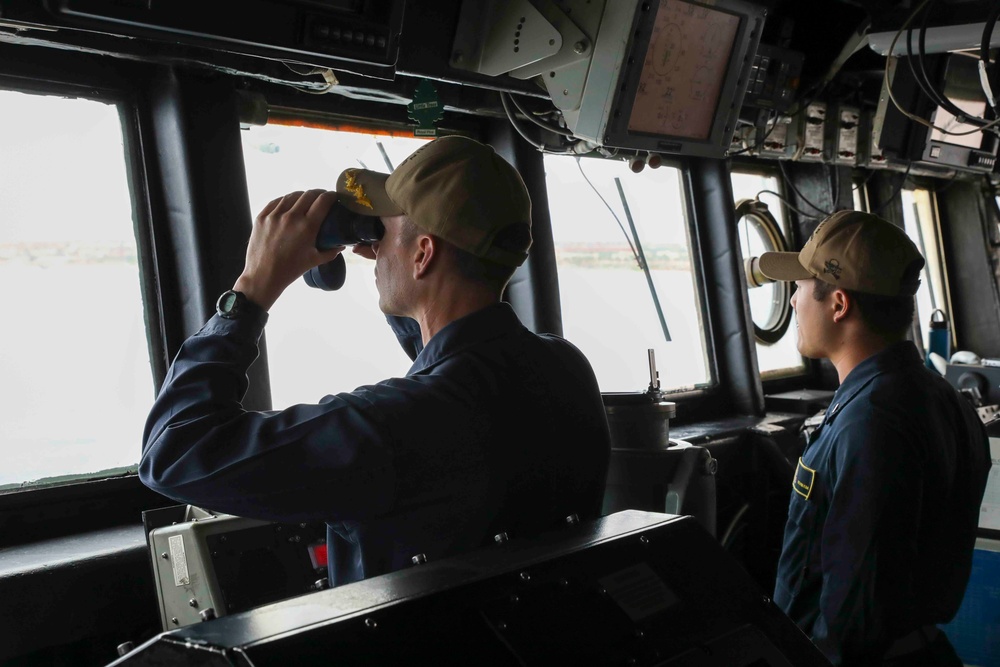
<point x="632" y="588"/>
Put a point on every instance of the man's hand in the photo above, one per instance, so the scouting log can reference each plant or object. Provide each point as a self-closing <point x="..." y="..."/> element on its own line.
<point x="283" y="245"/>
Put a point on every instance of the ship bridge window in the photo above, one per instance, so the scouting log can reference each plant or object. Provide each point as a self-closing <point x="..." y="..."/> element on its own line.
<point x="627" y="282"/>
<point x="75" y="377"/>
<point x="920" y="220"/>
<point x="316" y="337"/>
<point x="762" y="227"/>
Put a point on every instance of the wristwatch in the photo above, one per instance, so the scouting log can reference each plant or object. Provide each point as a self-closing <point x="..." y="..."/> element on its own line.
<point x="233" y="305"/>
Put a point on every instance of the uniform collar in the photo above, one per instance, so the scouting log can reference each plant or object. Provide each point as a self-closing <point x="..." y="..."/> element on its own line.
<point x="895" y="356"/>
<point x="491" y="322"/>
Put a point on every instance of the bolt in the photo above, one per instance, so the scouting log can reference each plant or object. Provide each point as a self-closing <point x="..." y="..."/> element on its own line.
<point x="501" y="538"/>
<point x="419" y="559"/>
<point x="580" y="47"/>
<point x="371" y="623"/>
<point x="573" y="519"/>
<point x="644" y="539"/>
<point x="193" y="602"/>
<point x="174" y="620"/>
<point x="711" y="465"/>
<point x="165" y="556"/>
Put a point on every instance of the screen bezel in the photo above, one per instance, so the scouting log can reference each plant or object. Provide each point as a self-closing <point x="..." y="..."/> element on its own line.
<point x="734" y="85"/>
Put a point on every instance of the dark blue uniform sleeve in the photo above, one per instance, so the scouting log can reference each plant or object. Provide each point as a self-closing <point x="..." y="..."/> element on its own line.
<point x="307" y="463"/>
<point x="874" y="487"/>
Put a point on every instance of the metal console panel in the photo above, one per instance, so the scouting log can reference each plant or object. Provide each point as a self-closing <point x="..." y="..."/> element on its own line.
<point x="639" y="588"/>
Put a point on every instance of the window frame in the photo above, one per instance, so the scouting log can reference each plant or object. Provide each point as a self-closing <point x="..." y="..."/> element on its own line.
<point x="689" y="398"/>
<point x="776" y="382"/>
<point x="41" y="512"/>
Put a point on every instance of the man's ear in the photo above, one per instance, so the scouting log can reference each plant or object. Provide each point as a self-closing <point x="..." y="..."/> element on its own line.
<point x="842" y="305"/>
<point x="424" y="252"/>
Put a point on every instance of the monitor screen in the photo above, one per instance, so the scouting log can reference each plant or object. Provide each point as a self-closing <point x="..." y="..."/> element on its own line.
<point x="684" y="69"/>
<point x="683" y="75"/>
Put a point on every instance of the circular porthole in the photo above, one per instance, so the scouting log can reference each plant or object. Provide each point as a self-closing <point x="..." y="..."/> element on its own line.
<point x="759" y="232"/>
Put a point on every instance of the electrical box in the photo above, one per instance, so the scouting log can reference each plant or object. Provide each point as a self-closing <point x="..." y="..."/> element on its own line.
<point x="813" y="134"/>
<point x="780" y="139"/>
<point x="209" y="565"/>
<point x="846" y="137"/>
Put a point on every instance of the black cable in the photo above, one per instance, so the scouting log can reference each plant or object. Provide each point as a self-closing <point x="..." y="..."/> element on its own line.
<point x="865" y="182"/>
<point x="941" y="99"/>
<point x="784" y="174"/>
<point x="923" y="78"/>
<point x="895" y="194"/>
<point x="984" y="55"/>
<point x="763" y="139"/>
<point x="511" y="116"/>
<point x="611" y="210"/>
<point x="786" y="203"/>
<point x="920" y="77"/>
<point x="542" y="124"/>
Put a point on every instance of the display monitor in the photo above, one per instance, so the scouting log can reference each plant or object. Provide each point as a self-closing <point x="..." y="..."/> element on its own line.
<point x="681" y="78"/>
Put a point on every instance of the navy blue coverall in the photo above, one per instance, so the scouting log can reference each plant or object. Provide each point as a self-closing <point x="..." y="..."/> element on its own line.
<point x="884" y="509"/>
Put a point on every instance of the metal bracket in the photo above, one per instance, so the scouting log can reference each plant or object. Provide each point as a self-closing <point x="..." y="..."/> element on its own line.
<point x="494" y="37"/>
<point x="565" y="73"/>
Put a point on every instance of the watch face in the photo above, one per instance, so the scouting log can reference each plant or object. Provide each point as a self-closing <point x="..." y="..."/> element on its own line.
<point x="229" y="304"/>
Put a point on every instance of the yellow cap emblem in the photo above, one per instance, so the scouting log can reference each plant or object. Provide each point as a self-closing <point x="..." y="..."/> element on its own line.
<point x="351" y="185"/>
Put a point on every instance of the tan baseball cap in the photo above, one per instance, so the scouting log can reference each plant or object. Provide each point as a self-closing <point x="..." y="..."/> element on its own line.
<point x="453" y="187"/>
<point x="855" y="251"/>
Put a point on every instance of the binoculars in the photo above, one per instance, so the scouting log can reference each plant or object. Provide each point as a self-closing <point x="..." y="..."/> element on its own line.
<point x="751" y="269"/>
<point x="341" y="227"/>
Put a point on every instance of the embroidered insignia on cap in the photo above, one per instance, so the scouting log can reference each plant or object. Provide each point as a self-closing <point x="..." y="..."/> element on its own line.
<point x="351" y="185"/>
<point x="833" y="267"/>
<point x="804" y="478"/>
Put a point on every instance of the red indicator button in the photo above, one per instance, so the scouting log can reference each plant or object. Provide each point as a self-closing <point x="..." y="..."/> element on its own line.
<point x="317" y="554"/>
